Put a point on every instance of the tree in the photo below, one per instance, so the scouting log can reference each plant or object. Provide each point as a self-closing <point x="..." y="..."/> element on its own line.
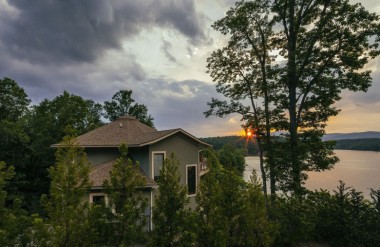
<point x="14" y="221"/>
<point x="172" y="222"/>
<point x="323" y="47"/>
<point x="46" y="125"/>
<point x="14" y="101"/>
<point x="5" y="175"/>
<point x="342" y="218"/>
<point x="326" y="45"/>
<point x="14" y="140"/>
<point x="232" y="158"/>
<point x="212" y="224"/>
<point x="65" y="206"/>
<point x="124" y="190"/>
<point x="232" y="212"/>
<point x="245" y="69"/>
<point x="123" y="104"/>
<point x="255" y="226"/>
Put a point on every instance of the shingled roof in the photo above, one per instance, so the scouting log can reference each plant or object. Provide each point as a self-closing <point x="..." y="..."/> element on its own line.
<point x="100" y="173"/>
<point x="129" y="130"/>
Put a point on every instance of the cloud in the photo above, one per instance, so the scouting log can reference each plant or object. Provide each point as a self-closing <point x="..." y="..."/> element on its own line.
<point x="166" y="47"/>
<point x="44" y="31"/>
<point x="180" y="104"/>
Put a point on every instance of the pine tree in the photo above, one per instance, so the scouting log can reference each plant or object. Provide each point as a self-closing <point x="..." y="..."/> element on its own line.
<point x="124" y="189"/>
<point x="65" y="205"/>
<point x="231" y="211"/>
<point x="173" y="223"/>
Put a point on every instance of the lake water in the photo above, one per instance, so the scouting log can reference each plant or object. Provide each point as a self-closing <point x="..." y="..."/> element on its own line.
<point x="358" y="169"/>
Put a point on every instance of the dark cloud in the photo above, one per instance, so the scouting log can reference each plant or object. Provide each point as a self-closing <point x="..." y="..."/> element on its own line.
<point x="46" y="31"/>
<point x="182" y="15"/>
<point x="166" y="47"/>
<point x="180" y="104"/>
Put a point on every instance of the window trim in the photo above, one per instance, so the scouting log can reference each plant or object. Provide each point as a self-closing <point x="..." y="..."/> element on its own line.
<point x="91" y="197"/>
<point x="196" y="179"/>
<point x="153" y="153"/>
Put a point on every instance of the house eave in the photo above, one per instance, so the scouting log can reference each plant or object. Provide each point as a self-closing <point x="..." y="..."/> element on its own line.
<point x="173" y="133"/>
<point x="101" y="188"/>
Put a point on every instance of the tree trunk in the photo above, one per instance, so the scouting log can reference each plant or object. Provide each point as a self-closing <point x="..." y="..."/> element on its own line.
<point x="292" y="87"/>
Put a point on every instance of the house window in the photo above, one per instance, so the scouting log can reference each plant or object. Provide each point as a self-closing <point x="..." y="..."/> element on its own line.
<point x="191" y="179"/>
<point x="158" y="162"/>
<point x="98" y="198"/>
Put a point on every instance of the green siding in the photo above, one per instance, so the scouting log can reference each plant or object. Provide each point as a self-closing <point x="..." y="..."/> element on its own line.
<point x="185" y="149"/>
<point x="142" y="156"/>
<point x="98" y="156"/>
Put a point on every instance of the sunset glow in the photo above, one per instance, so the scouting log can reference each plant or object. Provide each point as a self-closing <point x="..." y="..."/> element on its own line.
<point x="249" y="133"/>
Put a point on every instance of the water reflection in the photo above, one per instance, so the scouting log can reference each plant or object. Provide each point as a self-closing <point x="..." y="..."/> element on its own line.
<point x="358" y="169"/>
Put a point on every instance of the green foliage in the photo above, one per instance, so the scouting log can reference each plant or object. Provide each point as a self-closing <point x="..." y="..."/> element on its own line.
<point x="5" y="175"/>
<point x="344" y="218"/>
<point x="53" y="116"/>
<point x="65" y="205"/>
<point x="39" y="234"/>
<point x="237" y="141"/>
<point x="98" y="226"/>
<point x="323" y="46"/>
<point x="14" y="221"/>
<point x="231" y="212"/>
<point x="123" y="104"/>
<point x="261" y="231"/>
<point x="46" y="125"/>
<point x="124" y="189"/>
<point x="247" y="75"/>
<point x="14" y="101"/>
<point x="27" y="132"/>
<point x="13" y="137"/>
<point x="173" y="224"/>
<point x="232" y="158"/>
<point x="15" y="151"/>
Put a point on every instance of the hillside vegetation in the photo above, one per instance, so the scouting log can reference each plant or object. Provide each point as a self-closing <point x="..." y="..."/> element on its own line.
<point x="237" y="141"/>
<point x="364" y="144"/>
<point x="367" y="144"/>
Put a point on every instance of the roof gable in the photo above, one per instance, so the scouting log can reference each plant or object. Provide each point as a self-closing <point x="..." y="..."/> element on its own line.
<point x="100" y="173"/>
<point x="129" y="130"/>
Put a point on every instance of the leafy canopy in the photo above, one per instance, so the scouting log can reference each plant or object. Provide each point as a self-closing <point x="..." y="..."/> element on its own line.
<point x="322" y="48"/>
<point x="122" y="103"/>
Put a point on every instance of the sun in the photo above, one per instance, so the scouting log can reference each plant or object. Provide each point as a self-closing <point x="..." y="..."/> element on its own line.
<point x="249" y="133"/>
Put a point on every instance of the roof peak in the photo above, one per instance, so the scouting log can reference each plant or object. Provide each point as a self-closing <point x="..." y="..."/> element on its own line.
<point x="126" y="117"/>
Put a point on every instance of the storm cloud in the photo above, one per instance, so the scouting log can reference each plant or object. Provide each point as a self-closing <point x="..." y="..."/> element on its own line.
<point x="45" y="31"/>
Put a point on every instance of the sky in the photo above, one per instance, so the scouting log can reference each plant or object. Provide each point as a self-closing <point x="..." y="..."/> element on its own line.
<point x="156" y="48"/>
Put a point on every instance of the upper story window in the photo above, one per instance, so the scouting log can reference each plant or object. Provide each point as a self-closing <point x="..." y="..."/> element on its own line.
<point x="158" y="162"/>
<point x="191" y="179"/>
<point x="98" y="198"/>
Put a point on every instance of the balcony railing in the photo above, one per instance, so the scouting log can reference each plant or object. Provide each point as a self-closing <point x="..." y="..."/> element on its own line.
<point x="203" y="168"/>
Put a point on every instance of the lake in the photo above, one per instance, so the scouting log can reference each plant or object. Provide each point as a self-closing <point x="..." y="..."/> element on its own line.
<point x="358" y="169"/>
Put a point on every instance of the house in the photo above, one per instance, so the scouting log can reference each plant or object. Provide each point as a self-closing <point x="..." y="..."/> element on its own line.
<point x="148" y="146"/>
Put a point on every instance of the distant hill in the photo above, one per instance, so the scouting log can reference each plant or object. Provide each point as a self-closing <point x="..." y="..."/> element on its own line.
<point x="365" y="144"/>
<point x="369" y="141"/>
<point x="355" y="135"/>
<point x="237" y="141"/>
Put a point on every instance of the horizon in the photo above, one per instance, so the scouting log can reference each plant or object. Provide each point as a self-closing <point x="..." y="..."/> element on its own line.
<point x="324" y="134"/>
